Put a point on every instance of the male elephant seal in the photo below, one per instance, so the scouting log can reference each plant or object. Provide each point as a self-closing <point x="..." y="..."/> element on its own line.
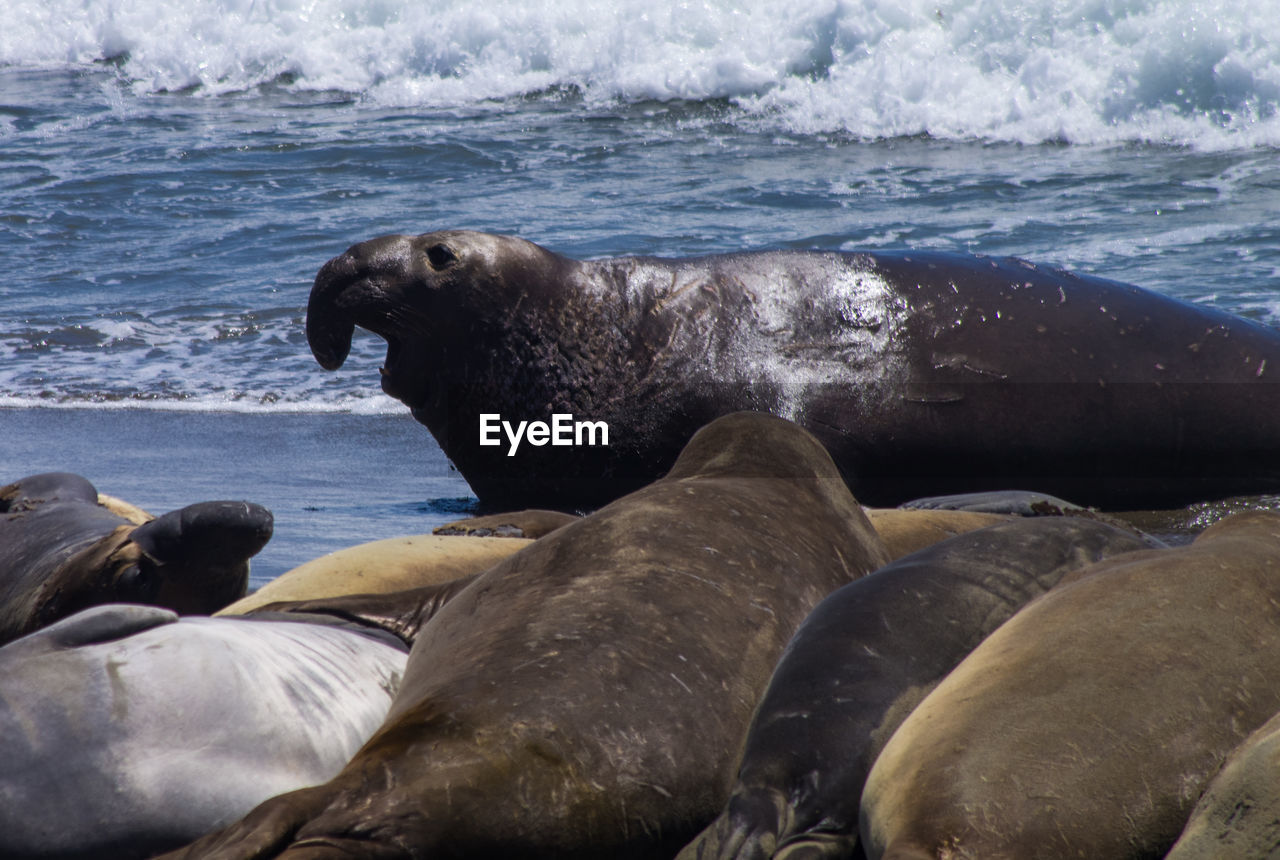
<point x="585" y="697"/>
<point x="61" y="551"/>
<point x="922" y="373"/>
<point x="862" y="660"/>
<point x="1090" y="722"/>
<point x="125" y="731"/>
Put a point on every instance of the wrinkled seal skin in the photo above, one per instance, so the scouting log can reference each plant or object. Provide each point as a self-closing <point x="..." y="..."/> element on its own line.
<point x="125" y="731"/>
<point x="1090" y="722"/>
<point x="858" y="664"/>
<point x="61" y="551"/>
<point x="922" y="373"/>
<point x="585" y="697"/>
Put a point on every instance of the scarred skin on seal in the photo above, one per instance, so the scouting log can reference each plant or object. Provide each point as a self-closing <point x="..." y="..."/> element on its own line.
<point x="922" y="373"/>
<point x="1090" y="722"/>
<point x="585" y="697"/>
<point x="862" y="660"/>
<point x="61" y="551"/>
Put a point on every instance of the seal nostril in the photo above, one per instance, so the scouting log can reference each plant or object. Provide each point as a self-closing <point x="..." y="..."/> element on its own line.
<point x="440" y="256"/>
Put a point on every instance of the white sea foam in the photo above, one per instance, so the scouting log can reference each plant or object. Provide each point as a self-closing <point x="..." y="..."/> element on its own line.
<point x="244" y="403"/>
<point x="1198" y="72"/>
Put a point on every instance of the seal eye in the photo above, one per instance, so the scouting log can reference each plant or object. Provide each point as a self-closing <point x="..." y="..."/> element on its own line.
<point x="136" y="580"/>
<point x="440" y="256"/>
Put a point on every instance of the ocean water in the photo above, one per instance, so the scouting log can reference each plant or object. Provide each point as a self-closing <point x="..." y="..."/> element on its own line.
<point x="171" y="178"/>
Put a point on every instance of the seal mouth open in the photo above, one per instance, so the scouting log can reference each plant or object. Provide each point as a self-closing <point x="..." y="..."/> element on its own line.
<point x="410" y="388"/>
<point x="357" y="289"/>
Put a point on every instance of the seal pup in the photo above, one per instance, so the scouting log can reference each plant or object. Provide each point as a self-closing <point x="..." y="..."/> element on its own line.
<point x="922" y="373"/>
<point x="1090" y="722"/>
<point x="862" y="660"/>
<point x="585" y="697"/>
<point x="125" y="730"/>
<point x="61" y="551"/>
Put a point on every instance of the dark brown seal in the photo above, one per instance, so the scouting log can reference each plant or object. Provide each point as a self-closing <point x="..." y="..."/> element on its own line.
<point x="61" y="551"/>
<point x="1089" y="723"/>
<point x="922" y="373"/>
<point x="584" y="697"/>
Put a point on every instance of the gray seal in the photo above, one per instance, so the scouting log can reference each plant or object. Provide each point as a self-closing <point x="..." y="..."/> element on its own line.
<point x="126" y="731"/>
<point x="921" y="373"/>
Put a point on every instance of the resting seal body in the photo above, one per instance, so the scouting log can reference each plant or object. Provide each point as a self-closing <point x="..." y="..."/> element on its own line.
<point x="380" y="567"/>
<point x="125" y="731"/>
<point x="1090" y="722"/>
<point x="1238" y="816"/>
<point x="585" y="697"/>
<point x="922" y="373"/>
<point x="61" y="551"/>
<point x="862" y="660"/>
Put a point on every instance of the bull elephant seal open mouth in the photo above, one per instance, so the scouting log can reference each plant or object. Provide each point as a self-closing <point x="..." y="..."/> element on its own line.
<point x="922" y="373"/>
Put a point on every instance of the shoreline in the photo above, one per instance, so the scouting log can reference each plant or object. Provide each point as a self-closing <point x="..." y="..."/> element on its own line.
<point x="331" y="480"/>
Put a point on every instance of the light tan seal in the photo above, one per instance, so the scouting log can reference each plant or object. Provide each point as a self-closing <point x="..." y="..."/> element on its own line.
<point x="382" y="566"/>
<point x="1089" y="723"/>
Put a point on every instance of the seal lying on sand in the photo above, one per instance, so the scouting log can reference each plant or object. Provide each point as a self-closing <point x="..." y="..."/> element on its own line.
<point x="61" y="551"/>
<point x="862" y="660"/>
<point x="922" y="373"/>
<point x="585" y="697"/>
<point x="1090" y="722"/>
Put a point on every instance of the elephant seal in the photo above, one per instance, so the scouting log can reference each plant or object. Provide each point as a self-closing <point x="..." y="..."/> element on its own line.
<point x="1090" y="722"/>
<point x="922" y="373"/>
<point x="584" y="697"/>
<point x="61" y="551"/>
<point x="1024" y="503"/>
<point x="126" y="731"/>
<point x="380" y="567"/>
<point x="862" y="660"/>
<point x="1238" y="816"/>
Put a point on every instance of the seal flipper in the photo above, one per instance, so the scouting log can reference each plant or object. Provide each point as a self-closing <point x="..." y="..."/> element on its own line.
<point x="98" y="624"/>
<point x="265" y="832"/>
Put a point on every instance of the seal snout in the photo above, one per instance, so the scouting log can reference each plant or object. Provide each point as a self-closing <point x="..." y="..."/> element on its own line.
<point x="217" y="533"/>
<point x="350" y="290"/>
